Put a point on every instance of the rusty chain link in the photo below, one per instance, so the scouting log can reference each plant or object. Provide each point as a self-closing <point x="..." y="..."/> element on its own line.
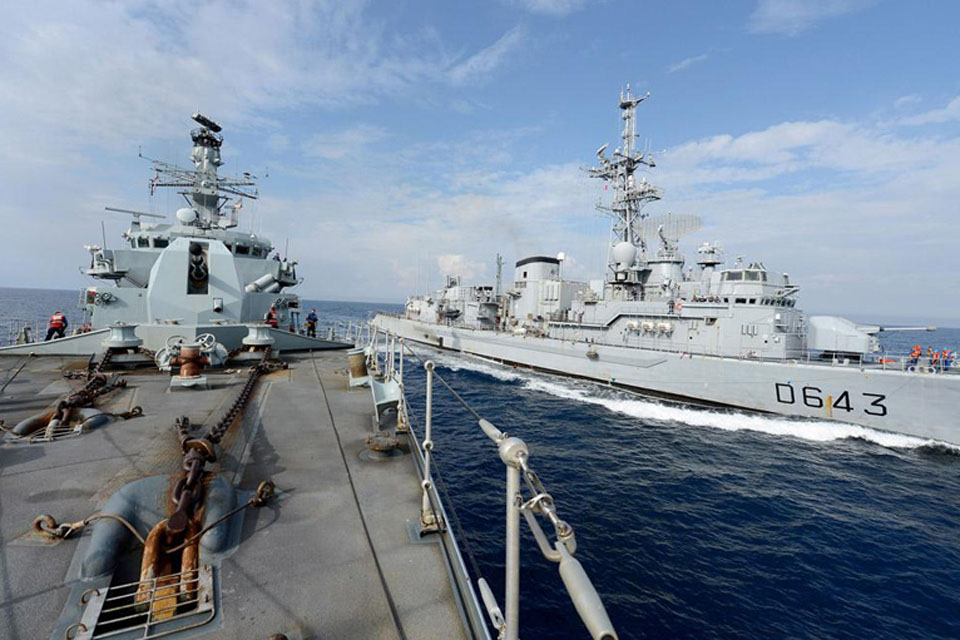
<point x="197" y="452"/>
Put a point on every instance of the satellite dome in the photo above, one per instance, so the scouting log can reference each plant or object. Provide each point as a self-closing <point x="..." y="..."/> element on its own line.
<point x="624" y="254"/>
<point x="186" y="215"/>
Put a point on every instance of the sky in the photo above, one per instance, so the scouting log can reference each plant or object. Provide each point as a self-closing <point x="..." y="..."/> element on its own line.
<point x="398" y="141"/>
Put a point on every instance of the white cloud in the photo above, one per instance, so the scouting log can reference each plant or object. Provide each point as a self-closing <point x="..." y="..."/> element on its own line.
<point x="458" y="265"/>
<point x="556" y="8"/>
<point x="687" y="63"/>
<point x="905" y="101"/>
<point x="484" y="62"/>
<point x="949" y="113"/>
<point x="105" y="74"/>
<point x="336" y="145"/>
<point x="791" y="147"/>
<point x="792" y="17"/>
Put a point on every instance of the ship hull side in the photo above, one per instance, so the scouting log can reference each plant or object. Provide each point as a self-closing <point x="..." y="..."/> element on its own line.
<point x="922" y="405"/>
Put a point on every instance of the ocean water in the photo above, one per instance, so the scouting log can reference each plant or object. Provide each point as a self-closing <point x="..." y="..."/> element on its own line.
<point x="694" y="523"/>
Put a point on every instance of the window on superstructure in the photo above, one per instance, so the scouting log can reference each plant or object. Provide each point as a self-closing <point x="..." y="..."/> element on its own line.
<point x="160" y="243"/>
<point x="143" y="241"/>
<point x="753" y="301"/>
<point x="740" y="301"/>
<point x="257" y="252"/>
<point x="228" y="246"/>
<point x="753" y="276"/>
<point x="243" y="250"/>
<point x="734" y="275"/>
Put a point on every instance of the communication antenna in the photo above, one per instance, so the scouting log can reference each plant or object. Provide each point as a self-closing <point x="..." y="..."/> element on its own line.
<point x="499" y="274"/>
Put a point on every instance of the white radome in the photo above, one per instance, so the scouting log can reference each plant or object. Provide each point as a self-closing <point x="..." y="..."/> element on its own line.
<point x="624" y="254"/>
<point x="186" y="215"/>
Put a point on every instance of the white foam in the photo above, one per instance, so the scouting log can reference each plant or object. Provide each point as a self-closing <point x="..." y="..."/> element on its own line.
<point x="478" y="365"/>
<point x="593" y="393"/>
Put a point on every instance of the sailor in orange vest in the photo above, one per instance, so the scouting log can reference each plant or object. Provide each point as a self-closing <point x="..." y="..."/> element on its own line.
<point x="946" y="357"/>
<point x="58" y="326"/>
<point x="271" y="318"/>
<point x="915" y="355"/>
<point x="935" y="360"/>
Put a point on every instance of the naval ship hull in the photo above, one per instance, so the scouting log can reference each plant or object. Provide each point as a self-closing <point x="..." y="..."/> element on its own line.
<point x="921" y="405"/>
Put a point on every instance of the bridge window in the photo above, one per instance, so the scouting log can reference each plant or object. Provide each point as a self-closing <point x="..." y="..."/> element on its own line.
<point x="257" y="252"/>
<point x="160" y="243"/>
<point x="243" y="250"/>
<point x="740" y="301"/>
<point x="142" y="241"/>
<point x="734" y="275"/>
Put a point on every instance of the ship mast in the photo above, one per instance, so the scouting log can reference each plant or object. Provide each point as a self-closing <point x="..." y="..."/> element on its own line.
<point x="205" y="189"/>
<point x="627" y="246"/>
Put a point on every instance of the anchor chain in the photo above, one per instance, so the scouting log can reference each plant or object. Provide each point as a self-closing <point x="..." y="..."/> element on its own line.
<point x="197" y="452"/>
<point x="96" y="385"/>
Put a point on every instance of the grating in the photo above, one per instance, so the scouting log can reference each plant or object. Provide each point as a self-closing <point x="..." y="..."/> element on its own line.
<point x="152" y="608"/>
<point x="57" y="433"/>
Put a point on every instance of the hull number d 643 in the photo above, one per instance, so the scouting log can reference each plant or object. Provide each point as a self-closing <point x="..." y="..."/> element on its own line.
<point x="814" y="397"/>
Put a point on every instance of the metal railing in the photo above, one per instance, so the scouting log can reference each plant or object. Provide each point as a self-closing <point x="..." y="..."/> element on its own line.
<point x="537" y="505"/>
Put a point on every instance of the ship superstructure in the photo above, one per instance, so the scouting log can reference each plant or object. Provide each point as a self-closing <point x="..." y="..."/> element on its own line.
<point x="729" y="335"/>
<point x="196" y="274"/>
<point x="162" y="272"/>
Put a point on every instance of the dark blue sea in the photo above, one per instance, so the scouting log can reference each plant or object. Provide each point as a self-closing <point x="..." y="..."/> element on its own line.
<point x="695" y="523"/>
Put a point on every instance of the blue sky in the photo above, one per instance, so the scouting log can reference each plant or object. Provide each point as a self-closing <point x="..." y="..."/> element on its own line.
<point x="405" y="139"/>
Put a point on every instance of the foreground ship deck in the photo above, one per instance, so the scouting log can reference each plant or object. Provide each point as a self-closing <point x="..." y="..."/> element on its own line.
<point x="330" y="556"/>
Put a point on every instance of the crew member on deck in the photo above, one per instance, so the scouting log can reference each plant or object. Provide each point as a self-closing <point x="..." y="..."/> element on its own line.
<point x="58" y="326"/>
<point x="271" y="318"/>
<point x="915" y="355"/>
<point x="312" y="320"/>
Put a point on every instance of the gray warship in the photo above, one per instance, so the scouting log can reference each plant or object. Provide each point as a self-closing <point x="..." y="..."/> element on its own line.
<point x="186" y="470"/>
<point x="712" y="334"/>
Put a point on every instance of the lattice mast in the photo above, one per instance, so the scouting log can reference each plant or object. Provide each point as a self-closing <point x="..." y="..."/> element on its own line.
<point x="627" y="244"/>
<point x="205" y="191"/>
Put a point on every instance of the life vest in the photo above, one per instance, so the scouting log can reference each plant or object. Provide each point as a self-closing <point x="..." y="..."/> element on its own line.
<point x="935" y="357"/>
<point x="272" y="320"/>
<point x="57" y="321"/>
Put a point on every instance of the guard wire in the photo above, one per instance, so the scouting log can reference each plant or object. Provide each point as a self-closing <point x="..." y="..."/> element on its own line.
<point x="451" y="509"/>
<point x="456" y="395"/>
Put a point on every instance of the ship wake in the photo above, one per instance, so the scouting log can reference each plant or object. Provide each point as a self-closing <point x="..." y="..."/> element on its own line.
<point x="630" y="404"/>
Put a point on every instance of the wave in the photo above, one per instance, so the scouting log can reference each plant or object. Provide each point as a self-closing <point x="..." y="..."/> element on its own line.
<point x="624" y="403"/>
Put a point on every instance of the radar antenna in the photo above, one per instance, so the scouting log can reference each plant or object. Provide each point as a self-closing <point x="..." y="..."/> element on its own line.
<point x="670" y="227"/>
